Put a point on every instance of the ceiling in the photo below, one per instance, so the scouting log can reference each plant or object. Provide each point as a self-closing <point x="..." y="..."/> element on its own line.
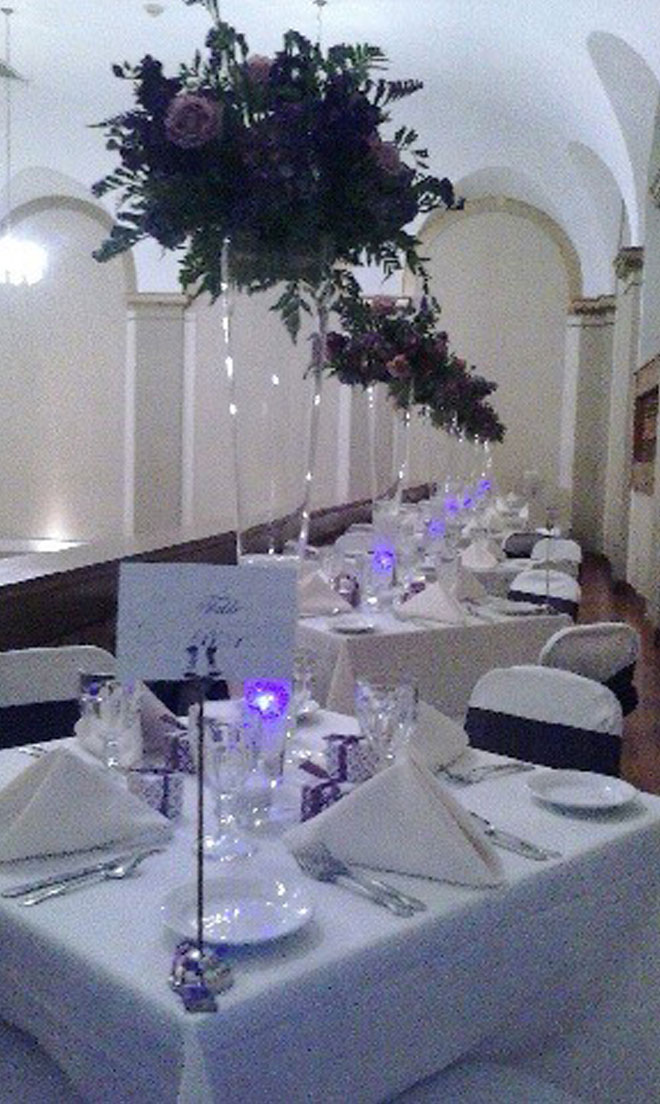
<point x="552" y="102"/>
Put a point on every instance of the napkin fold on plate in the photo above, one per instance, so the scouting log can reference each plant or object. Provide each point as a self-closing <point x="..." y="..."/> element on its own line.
<point x="63" y="803"/>
<point x="404" y="820"/>
<point x="479" y="556"/>
<point x="436" y="741"/>
<point x="434" y="603"/>
<point x="316" y="596"/>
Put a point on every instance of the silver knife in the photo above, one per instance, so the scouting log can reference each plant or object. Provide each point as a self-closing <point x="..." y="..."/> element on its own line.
<point x="508" y="842"/>
<point x="66" y="876"/>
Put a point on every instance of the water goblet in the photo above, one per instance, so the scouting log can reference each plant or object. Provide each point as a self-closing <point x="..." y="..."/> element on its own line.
<point x="227" y="754"/>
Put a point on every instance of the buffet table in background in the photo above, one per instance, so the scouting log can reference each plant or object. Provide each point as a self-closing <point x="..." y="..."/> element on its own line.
<point x="443" y="661"/>
<point x="562" y="960"/>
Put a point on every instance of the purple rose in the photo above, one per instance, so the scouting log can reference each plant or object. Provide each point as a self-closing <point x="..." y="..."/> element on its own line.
<point x="398" y="366"/>
<point x="192" y="121"/>
<point x="386" y="155"/>
<point x="258" y="68"/>
<point x="383" y="304"/>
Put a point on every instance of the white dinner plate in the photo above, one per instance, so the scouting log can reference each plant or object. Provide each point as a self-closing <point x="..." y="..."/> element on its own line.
<point x="352" y="623"/>
<point x="239" y="909"/>
<point x="573" y="789"/>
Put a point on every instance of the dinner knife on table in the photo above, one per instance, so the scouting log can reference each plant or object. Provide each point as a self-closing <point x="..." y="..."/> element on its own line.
<point x="509" y="842"/>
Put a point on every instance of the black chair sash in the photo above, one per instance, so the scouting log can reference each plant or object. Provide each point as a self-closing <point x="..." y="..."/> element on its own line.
<point x="559" y="605"/>
<point x="37" y="721"/>
<point x="552" y="745"/>
<point x="519" y="545"/>
<point x="623" y="686"/>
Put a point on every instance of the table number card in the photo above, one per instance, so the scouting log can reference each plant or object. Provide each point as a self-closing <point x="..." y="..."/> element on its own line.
<point x="225" y="622"/>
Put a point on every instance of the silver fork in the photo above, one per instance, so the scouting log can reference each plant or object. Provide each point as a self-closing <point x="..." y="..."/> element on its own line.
<point x="470" y="775"/>
<point x="319" y="862"/>
<point x="122" y="869"/>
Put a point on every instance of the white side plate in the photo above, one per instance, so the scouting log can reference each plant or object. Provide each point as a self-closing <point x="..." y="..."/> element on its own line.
<point x="240" y="908"/>
<point x="572" y="789"/>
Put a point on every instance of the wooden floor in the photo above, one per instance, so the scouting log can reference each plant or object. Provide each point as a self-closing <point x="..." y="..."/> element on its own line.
<point x="602" y="602"/>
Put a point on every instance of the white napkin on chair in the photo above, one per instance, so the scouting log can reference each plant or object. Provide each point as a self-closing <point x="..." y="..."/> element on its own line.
<point x="478" y="556"/>
<point x="403" y="819"/>
<point x="316" y="596"/>
<point x="434" y="603"/>
<point x="63" y="803"/>
<point x="436" y="740"/>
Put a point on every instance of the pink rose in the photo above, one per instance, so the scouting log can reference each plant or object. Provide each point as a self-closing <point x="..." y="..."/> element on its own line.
<point x="398" y="366"/>
<point x="192" y="121"/>
<point x="258" y="68"/>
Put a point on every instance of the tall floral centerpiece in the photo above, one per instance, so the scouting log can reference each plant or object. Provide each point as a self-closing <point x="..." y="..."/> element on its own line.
<point x="399" y="344"/>
<point x="270" y="172"/>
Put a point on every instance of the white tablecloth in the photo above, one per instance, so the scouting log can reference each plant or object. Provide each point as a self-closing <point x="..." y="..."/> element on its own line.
<point x="443" y="661"/>
<point x="560" y="967"/>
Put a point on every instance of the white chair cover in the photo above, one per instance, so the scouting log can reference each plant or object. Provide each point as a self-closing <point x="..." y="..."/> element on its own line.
<point x="540" y="583"/>
<point x="557" y="550"/>
<point x="549" y="695"/>
<point x="30" y="675"/>
<point x="596" y="651"/>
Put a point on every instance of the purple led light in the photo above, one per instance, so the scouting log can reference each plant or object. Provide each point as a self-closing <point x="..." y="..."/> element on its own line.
<point x="268" y="697"/>
<point x="435" y="527"/>
<point x="383" y="560"/>
<point x="468" y="501"/>
<point x="483" y="487"/>
<point x="452" y="505"/>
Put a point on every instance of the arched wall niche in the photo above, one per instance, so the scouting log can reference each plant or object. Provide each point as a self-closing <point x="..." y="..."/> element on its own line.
<point x="505" y="275"/>
<point x="64" y="407"/>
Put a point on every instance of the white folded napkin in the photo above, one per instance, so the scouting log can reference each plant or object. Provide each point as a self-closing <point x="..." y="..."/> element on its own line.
<point x="478" y="556"/>
<point x="434" y="603"/>
<point x="316" y="596"/>
<point x="403" y="819"/>
<point x="436" y="740"/>
<point x="64" y="803"/>
<point x="467" y="587"/>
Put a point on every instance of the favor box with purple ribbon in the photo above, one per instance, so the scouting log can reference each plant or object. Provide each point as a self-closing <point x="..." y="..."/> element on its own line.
<point x="178" y="755"/>
<point x="161" y="788"/>
<point x="350" y="758"/>
<point x="320" y="794"/>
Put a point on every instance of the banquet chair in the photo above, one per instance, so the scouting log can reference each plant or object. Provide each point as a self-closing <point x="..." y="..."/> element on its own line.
<point x="519" y="545"/>
<point x="484" y="1082"/>
<point x="39" y="689"/>
<point x="560" y="591"/>
<point x="544" y="715"/>
<point x="556" y="550"/>
<point x="605" y="651"/>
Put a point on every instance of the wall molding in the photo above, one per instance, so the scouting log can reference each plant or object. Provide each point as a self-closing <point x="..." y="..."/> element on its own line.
<point x="599" y="306"/>
<point x="629" y="259"/>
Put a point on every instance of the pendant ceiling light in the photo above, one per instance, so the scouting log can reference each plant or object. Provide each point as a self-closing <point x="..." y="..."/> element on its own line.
<point x="21" y="261"/>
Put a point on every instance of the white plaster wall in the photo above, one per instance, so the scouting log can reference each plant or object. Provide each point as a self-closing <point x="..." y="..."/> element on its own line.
<point x="640" y="543"/>
<point x="62" y="366"/>
<point x="504" y="293"/>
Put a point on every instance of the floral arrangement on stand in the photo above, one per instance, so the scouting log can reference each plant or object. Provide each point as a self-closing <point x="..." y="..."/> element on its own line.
<point x="395" y="342"/>
<point x="283" y="156"/>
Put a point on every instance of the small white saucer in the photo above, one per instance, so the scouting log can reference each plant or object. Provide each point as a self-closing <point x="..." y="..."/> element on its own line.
<point x="352" y="624"/>
<point x="573" y="789"/>
<point x="239" y="909"/>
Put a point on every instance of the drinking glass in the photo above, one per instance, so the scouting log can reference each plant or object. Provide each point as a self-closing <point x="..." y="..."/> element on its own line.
<point x="387" y="716"/>
<point x="227" y="753"/>
<point x="110" y="714"/>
